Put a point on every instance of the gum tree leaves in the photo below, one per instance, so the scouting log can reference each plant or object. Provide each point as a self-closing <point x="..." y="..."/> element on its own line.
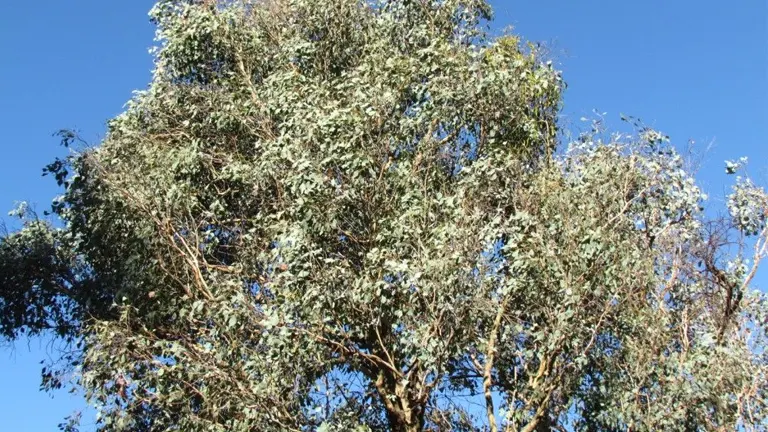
<point x="353" y="215"/>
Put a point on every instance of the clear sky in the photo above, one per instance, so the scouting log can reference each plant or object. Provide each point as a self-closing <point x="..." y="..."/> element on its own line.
<point x="695" y="69"/>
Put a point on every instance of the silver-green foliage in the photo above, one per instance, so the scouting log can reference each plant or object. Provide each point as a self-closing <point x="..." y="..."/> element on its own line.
<point x="352" y="215"/>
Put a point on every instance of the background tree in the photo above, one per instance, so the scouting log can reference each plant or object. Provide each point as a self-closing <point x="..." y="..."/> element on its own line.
<point x="354" y="215"/>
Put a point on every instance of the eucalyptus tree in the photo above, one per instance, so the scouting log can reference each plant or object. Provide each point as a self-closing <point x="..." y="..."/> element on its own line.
<point x="354" y="215"/>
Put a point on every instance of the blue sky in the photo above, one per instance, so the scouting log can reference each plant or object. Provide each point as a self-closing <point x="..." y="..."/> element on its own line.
<point x="695" y="69"/>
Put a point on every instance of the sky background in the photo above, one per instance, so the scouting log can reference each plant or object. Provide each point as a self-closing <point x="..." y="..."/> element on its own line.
<point x="695" y="69"/>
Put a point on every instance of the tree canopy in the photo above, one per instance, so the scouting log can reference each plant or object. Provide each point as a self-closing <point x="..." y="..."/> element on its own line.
<point x="362" y="215"/>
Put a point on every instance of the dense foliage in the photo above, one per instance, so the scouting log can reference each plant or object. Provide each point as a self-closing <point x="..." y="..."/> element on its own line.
<point x="350" y="215"/>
